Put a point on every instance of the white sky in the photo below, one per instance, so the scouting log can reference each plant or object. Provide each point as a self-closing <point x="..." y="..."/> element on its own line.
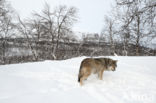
<point x="91" y="12"/>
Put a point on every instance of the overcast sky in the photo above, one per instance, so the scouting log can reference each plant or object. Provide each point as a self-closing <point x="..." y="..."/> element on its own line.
<point x="91" y="12"/>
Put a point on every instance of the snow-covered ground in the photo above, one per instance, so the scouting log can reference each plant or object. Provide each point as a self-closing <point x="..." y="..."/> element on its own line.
<point x="134" y="81"/>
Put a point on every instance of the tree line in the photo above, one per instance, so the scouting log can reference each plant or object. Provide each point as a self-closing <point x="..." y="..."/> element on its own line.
<point x="48" y="34"/>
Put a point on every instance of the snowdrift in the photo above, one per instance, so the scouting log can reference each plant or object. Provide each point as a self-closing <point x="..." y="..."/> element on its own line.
<point x="134" y="81"/>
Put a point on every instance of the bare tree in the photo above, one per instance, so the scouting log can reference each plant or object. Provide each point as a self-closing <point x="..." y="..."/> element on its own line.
<point x="110" y="32"/>
<point x="46" y="21"/>
<point x="65" y="19"/>
<point x="139" y="20"/>
<point x="6" y="26"/>
<point x="26" y="31"/>
<point x="57" y="23"/>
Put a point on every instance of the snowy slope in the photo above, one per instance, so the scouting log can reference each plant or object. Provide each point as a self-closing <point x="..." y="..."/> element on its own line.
<point x="56" y="82"/>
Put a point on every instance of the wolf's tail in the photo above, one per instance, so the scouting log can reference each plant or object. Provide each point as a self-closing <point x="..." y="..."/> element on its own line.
<point x="79" y="78"/>
<point x="80" y="75"/>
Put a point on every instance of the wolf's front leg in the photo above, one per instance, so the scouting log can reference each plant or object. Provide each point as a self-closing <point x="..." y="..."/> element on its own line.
<point x="100" y="74"/>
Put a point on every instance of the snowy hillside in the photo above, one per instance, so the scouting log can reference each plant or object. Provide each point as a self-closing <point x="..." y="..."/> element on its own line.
<point x="134" y="81"/>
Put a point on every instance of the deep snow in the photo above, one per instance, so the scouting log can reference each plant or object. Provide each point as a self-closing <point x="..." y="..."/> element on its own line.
<point x="134" y="81"/>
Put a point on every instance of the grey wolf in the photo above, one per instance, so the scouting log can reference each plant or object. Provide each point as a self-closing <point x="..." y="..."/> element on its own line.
<point x="95" y="65"/>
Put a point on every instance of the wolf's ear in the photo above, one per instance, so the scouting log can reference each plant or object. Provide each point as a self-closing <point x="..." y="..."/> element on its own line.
<point x="116" y="61"/>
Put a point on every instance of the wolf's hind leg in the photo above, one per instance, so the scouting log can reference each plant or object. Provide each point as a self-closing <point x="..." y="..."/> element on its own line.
<point x="84" y="77"/>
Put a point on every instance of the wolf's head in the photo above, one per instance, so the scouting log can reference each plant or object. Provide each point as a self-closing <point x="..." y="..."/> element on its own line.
<point x="113" y="65"/>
